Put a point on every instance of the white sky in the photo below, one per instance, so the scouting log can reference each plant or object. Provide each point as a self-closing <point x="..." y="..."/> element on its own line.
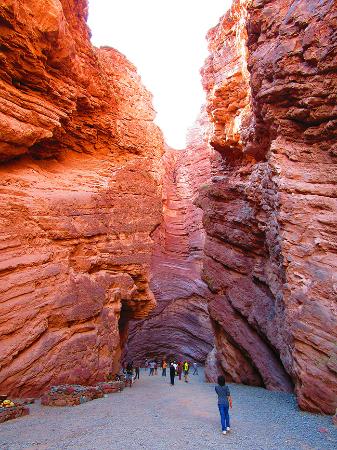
<point x="166" y="41"/>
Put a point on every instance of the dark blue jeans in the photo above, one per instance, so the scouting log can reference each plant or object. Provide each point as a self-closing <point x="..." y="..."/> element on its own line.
<point x="224" y="416"/>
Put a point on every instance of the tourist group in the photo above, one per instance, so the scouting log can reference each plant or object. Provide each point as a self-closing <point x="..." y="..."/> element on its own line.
<point x="177" y="369"/>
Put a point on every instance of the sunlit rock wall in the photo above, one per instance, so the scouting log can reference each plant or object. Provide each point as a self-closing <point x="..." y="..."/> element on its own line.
<point x="80" y="197"/>
<point x="270" y="215"/>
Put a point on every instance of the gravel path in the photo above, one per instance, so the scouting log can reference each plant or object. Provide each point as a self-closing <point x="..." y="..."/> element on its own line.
<point x="153" y="415"/>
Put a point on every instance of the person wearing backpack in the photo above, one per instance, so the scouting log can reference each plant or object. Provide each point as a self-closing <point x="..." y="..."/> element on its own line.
<point x="224" y="402"/>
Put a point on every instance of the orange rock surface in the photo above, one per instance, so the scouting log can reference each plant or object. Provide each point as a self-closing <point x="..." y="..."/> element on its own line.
<point x="270" y="214"/>
<point x="80" y="197"/>
<point x="89" y="240"/>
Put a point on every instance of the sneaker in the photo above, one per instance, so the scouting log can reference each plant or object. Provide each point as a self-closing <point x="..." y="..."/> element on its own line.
<point x="228" y="429"/>
<point x="224" y="432"/>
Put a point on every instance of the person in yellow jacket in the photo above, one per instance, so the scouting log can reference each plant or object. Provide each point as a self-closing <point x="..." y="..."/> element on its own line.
<point x="186" y="368"/>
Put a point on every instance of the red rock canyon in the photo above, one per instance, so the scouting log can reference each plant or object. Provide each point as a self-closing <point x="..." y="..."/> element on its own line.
<point x="113" y="243"/>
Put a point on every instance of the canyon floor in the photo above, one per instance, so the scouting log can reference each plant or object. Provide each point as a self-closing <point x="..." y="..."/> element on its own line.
<point x="153" y="415"/>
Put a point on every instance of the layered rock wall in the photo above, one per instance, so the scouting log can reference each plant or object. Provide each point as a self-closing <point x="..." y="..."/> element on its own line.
<point x="179" y="326"/>
<point x="80" y="197"/>
<point x="270" y="214"/>
<point x="82" y="230"/>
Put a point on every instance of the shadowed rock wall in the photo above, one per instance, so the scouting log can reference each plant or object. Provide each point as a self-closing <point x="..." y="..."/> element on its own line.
<point x="80" y="196"/>
<point x="179" y="326"/>
<point x="270" y="214"/>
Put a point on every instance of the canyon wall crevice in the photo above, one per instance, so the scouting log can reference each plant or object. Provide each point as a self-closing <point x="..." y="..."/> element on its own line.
<point x="179" y="326"/>
<point x="270" y="213"/>
<point x="80" y="197"/>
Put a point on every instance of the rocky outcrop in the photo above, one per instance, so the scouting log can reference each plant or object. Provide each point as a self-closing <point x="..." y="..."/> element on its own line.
<point x="270" y="214"/>
<point x="179" y="326"/>
<point x="13" y="412"/>
<point x="80" y="198"/>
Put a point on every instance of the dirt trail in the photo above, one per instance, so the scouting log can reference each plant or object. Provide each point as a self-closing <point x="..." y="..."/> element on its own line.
<point x="153" y="415"/>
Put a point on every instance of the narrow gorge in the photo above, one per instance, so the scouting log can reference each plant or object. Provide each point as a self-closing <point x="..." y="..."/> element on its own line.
<point x="114" y="245"/>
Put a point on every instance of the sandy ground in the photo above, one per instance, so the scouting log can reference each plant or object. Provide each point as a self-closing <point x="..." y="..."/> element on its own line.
<point x="153" y="415"/>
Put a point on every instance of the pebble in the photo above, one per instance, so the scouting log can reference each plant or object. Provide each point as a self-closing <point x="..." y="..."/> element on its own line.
<point x="154" y="416"/>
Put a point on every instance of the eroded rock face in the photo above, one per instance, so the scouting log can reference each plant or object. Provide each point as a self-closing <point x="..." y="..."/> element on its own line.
<point x="81" y="204"/>
<point x="179" y="326"/>
<point x="80" y="197"/>
<point x="270" y="215"/>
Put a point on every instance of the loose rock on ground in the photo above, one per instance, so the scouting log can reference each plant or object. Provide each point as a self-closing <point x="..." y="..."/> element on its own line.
<point x="153" y="415"/>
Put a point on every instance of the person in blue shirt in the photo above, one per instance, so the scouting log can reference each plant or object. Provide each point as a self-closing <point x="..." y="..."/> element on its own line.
<point x="224" y="401"/>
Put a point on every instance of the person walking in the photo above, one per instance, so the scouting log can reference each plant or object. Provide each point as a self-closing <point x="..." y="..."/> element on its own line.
<point x="137" y="371"/>
<point x="195" y="368"/>
<point x="146" y="365"/>
<point x="129" y="374"/>
<point x="155" y="368"/>
<point x="186" y="368"/>
<point x="151" y="365"/>
<point x="179" y="369"/>
<point x="224" y="402"/>
<point x="172" y="373"/>
<point x="164" y="366"/>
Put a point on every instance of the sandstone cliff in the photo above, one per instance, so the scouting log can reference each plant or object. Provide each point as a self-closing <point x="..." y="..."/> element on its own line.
<point x="179" y="326"/>
<point x="80" y="198"/>
<point x="270" y="214"/>
<point x="84" y="243"/>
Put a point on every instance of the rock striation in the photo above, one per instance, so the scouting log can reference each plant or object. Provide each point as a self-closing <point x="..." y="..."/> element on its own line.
<point x="89" y="240"/>
<point x="270" y="213"/>
<point x="179" y="326"/>
<point x="80" y="198"/>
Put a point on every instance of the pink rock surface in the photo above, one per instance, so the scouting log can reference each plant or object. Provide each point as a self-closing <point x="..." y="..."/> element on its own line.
<point x="179" y="326"/>
<point x="270" y="214"/>
<point x="80" y="197"/>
